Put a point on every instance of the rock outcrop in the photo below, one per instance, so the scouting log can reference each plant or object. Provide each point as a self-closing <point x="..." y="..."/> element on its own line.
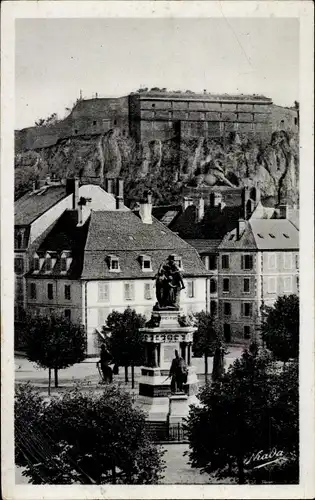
<point x="166" y="167"/>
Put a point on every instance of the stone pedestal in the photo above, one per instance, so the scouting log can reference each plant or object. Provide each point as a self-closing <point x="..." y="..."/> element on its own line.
<point x="154" y="385"/>
<point x="178" y="408"/>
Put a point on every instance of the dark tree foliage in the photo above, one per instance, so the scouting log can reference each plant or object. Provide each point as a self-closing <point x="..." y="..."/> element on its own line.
<point x="206" y="338"/>
<point x="83" y="438"/>
<point x="254" y="407"/>
<point x="54" y="342"/>
<point x="126" y="342"/>
<point x="280" y="328"/>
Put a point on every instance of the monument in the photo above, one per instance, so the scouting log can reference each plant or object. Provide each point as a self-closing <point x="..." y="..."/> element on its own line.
<point x="168" y="383"/>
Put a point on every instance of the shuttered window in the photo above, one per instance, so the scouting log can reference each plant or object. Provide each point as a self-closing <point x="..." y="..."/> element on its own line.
<point x="103" y="292"/>
<point x="191" y="289"/>
<point x="225" y="262"/>
<point x="226" y="285"/>
<point x="246" y="285"/>
<point x="247" y="262"/>
<point x="129" y="291"/>
<point x="148" y="291"/>
<point x="246" y="309"/>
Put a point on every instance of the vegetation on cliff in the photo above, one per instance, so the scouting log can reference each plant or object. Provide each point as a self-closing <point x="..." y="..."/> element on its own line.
<point x="167" y="167"/>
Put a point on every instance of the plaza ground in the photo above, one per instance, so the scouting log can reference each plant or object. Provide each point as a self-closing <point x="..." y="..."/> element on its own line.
<point x="178" y="470"/>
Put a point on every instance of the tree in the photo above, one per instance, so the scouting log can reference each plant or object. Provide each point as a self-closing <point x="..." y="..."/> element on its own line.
<point x="54" y="343"/>
<point x="206" y="338"/>
<point x="280" y="328"/>
<point x="254" y="407"/>
<point x="126" y="342"/>
<point x="83" y="438"/>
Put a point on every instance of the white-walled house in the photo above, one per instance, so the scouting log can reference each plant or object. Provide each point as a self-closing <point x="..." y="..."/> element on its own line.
<point x="123" y="253"/>
<point x="36" y="213"/>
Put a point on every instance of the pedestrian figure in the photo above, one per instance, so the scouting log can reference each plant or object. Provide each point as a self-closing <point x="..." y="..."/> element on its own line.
<point x="107" y="373"/>
<point x="178" y="373"/>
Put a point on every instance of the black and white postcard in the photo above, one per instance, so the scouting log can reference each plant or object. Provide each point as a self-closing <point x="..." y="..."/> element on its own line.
<point x="157" y="249"/>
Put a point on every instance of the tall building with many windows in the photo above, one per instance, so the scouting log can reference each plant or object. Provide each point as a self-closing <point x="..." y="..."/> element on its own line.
<point x="258" y="261"/>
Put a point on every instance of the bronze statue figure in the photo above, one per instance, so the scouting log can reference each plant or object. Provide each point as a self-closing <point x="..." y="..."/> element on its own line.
<point x="169" y="283"/>
<point x="178" y="373"/>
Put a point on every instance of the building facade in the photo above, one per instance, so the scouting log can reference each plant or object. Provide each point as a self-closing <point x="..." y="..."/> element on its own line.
<point x="37" y="212"/>
<point x="258" y="262"/>
<point x="122" y="256"/>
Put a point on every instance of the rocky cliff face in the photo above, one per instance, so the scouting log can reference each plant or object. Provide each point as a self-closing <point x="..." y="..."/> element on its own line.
<point x="167" y="167"/>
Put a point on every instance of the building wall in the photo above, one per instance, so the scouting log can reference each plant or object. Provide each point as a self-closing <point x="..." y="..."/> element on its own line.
<point x="285" y="119"/>
<point x="160" y="116"/>
<point x="279" y="274"/>
<point x="42" y="305"/>
<point x="96" y="311"/>
<point x="236" y="295"/>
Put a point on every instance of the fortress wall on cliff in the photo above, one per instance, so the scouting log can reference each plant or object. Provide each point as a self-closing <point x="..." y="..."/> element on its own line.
<point x="164" y="116"/>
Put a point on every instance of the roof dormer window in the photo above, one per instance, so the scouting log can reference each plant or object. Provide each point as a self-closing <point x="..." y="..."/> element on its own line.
<point x="146" y="263"/>
<point x="36" y="263"/>
<point x="177" y="261"/>
<point x="65" y="261"/>
<point x="114" y="263"/>
<point x="50" y="261"/>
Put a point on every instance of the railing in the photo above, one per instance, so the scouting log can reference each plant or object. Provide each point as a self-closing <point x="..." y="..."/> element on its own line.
<point x="161" y="432"/>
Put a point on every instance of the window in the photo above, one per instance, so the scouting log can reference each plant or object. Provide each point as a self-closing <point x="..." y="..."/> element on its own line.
<point x="226" y="285"/>
<point x="227" y="332"/>
<point x="33" y="290"/>
<point x="287" y="260"/>
<point x="272" y="284"/>
<point x="103" y="292"/>
<point x="48" y="263"/>
<point x="297" y="284"/>
<point x="225" y="262"/>
<point x="68" y="314"/>
<point x="213" y="307"/>
<point x="18" y="265"/>
<point x="153" y="105"/>
<point x="287" y="284"/>
<point x="246" y="285"/>
<point x="247" y="262"/>
<point x="295" y="121"/>
<point x="297" y="262"/>
<point x="191" y="289"/>
<point x="68" y="292"/>
<point x="76" y="131"/>
<point x="272" y="260"/>
<point x="36" y="263"/>
<point x="213" y="285"/>
<point x="63" y="264"/>
<point x="50" y="292"/>
<point x="148" y="291"/>
<point x="246" y="332"/>
<point x="146" y="263"/>
<point x="114" y="263"/>
<point x="94" y="122"/>
<point x="212" y="262"/>
<point x="247" y="309"/>
<point x="129" y="291"/>
<point x="227" y="309"/>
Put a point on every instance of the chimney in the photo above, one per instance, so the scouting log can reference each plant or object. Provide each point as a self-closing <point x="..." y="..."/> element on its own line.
<point x="201" y="209"/>
<point x="145" y="210"/>
<point x="109" y="185"/>
<point x="72" y="187"/>
<point x="241" y="226"/>
<point x="120" y="194"/>
<point x="283" y="211"/>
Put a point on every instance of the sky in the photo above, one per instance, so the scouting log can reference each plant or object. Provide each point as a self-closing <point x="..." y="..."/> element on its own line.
<point x="56" y="58"/>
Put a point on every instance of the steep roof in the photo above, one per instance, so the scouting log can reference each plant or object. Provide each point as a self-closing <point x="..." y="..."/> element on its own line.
<point x="124" y="235"/>
<point x="32" y="205"/>
<point x="166" y="213"/>
<point x="204" y="246"/>
<point x="263" y="234"/>
<point x="64" y="236"/>
<point x="275" y="234"/>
